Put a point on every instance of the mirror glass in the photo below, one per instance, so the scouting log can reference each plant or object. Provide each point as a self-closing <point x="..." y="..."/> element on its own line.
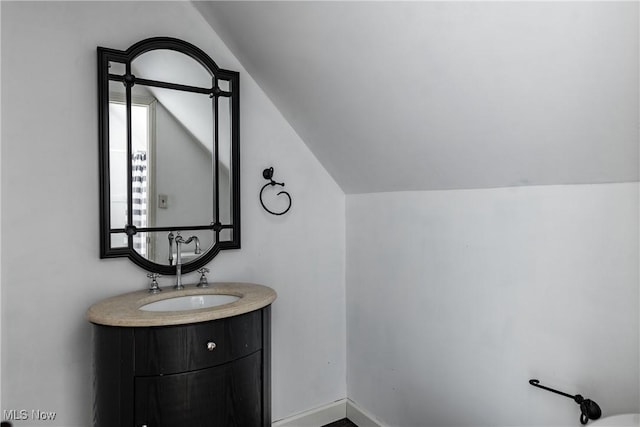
<point x="172" y="67"/>
<point x="158" y="246"/>
<point x="169" y="143"/>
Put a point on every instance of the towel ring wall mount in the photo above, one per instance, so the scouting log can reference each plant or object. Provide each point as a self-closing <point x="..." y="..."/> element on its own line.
<point x="268" y="175"/>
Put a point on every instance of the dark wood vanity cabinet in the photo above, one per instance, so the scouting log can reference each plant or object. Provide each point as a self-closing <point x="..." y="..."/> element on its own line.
<point x="209" y="374"/>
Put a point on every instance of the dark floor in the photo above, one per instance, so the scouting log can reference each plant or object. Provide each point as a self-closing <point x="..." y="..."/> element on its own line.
<point x="341" y="423"/>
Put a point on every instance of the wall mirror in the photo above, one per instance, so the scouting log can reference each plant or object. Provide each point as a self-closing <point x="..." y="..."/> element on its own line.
<point x="169" y="154"/>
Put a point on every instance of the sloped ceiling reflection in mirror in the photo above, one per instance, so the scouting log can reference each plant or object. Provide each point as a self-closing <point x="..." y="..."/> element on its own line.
<point x="194" y="113"/>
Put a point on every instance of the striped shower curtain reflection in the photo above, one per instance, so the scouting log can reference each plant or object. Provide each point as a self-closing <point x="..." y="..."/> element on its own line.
<point x="139" y="199"/>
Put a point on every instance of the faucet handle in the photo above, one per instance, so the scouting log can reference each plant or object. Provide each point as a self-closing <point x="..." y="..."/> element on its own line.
<point x="154" y="288"/>
<point x="203" y="283"/>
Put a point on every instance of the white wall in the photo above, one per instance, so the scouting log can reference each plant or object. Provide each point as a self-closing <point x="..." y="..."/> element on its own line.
<point x="1" y="406"/>
<point x="455" y="299"/>
<point x="51" y="269"/>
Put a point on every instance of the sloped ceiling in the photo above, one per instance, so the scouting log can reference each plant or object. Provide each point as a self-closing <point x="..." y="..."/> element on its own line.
<point x="443" y="95"/>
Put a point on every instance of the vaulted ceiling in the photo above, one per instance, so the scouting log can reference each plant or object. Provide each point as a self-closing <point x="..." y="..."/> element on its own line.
<point x="397" y="96"/>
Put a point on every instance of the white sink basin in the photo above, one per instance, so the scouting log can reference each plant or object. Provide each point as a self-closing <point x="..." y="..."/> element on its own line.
<point x="190" y="302"/>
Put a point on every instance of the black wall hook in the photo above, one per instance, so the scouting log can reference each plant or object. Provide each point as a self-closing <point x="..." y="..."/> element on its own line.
<point x="588" y="408"/>
<point x="268" y="174"/>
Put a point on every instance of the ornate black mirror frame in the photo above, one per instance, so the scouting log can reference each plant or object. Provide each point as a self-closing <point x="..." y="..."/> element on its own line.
<point x="105" y="57"/>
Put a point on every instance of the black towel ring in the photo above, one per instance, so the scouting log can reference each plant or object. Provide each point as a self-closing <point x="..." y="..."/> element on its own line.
<point x="268" y="174"/>
<point x="589" y="410"/>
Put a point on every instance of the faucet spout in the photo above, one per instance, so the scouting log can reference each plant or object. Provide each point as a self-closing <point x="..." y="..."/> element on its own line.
<point x="197" y="250"/>
<point x="179" y="241"/>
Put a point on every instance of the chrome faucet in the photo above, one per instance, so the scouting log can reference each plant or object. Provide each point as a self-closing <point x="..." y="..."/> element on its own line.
<point x="179" y="240"/>
<point x="171" y="238"/>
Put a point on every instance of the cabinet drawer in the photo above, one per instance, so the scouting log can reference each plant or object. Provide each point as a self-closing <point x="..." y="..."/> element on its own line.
<point x="228" y="395"/>
<point x="174" y="349"/>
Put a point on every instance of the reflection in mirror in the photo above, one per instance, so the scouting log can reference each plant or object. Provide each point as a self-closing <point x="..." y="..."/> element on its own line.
<point x="226" y="235"/>
<point x="142" y="134"/>
<point x="179" y="160"/>
<point x="224" y="155"/>
<point x="118" y="163"/>
<point x="169" y="150"/>
<point x="118" y="240"/>
<point x="224" y="85"/>
<point x="160" y="247"/>
<point x="118" y="68"/>
<point x="172" y="67"/>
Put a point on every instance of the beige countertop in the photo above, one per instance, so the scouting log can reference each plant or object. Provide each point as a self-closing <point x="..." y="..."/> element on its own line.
<point x="124" y="310"/>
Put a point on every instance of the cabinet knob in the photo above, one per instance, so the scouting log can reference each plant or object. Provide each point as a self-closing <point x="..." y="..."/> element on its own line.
<point x="211" y="345"/>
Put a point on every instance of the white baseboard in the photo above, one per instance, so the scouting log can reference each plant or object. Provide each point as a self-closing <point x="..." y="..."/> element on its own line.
<point x="316" y="417"/>
<point x="360" y="417"/>
<point x="343" y="408"/>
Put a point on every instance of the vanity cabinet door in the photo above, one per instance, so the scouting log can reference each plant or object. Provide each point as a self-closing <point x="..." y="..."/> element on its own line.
<point x="223" y="396"/>
<point x="166" y="376"/>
